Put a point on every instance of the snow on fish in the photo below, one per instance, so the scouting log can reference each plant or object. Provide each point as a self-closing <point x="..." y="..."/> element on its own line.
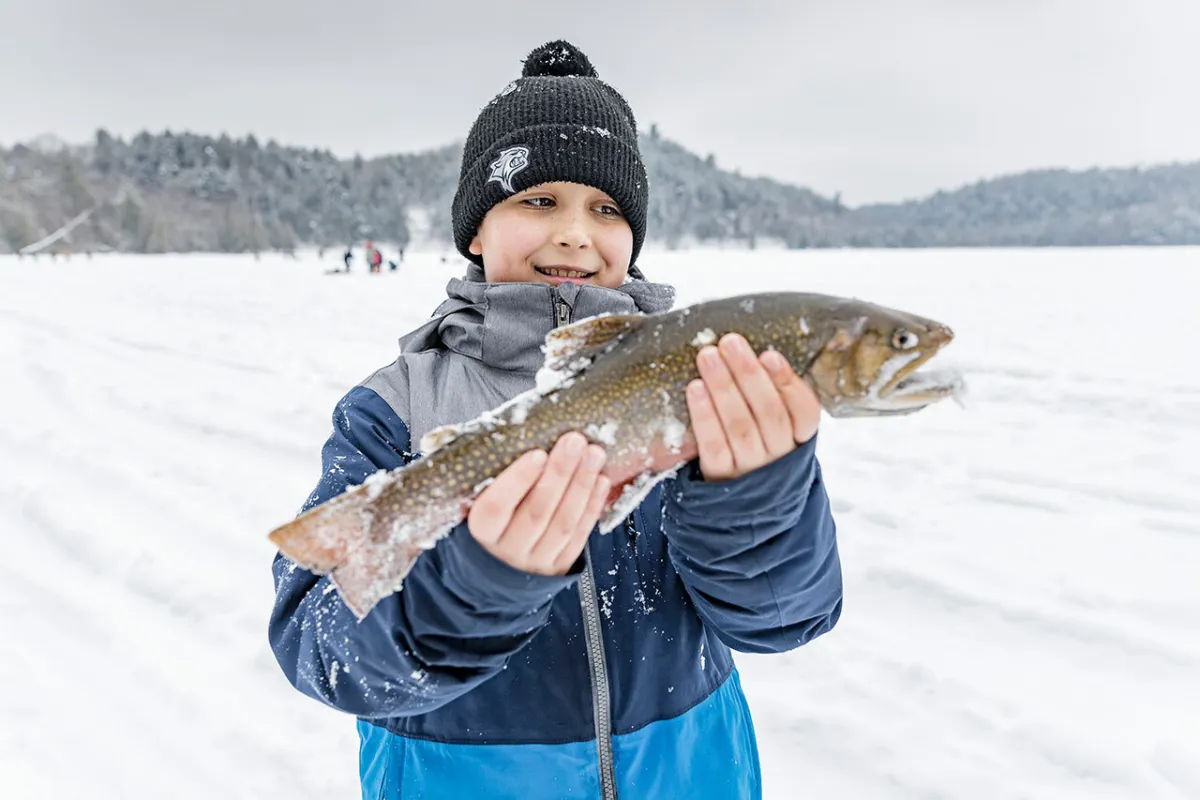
<point x="619" y="380"/>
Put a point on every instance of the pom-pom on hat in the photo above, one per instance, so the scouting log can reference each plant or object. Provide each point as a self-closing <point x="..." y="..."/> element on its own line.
<point x="557" y="122"/>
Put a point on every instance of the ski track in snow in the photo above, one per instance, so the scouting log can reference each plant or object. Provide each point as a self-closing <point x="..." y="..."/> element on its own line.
<point x="1022" y="613"/>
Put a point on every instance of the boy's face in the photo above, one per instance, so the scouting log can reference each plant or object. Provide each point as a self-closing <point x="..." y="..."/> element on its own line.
<point x="555" y="233"/>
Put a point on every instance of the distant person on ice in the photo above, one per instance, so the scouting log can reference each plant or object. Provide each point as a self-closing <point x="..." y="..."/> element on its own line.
<point x="526" y="657"/>
<point x="373" y="256"/>
<point x="347" y="257"/>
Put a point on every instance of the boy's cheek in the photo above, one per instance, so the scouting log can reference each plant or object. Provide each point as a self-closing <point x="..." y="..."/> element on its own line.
<point x="507" y="253"/>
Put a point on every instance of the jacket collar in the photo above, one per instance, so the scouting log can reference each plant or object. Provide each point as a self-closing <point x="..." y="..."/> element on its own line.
<point x="503" y="325"/>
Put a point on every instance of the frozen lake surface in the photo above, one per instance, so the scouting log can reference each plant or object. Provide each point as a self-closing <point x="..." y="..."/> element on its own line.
<point x="1022" y="610"/>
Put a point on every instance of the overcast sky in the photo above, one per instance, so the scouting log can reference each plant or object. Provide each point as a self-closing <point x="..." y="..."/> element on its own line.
<point x="878" y="99"/>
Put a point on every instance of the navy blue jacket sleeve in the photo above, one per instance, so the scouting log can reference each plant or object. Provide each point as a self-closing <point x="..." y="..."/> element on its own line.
<point x="758" y="554"/>
<point x="459" y="617"/>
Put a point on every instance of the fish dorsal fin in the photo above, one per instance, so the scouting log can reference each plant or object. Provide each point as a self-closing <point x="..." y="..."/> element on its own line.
<point x="438" y="438"/>
<point x="570" y="347"/>
<point x="511" y="412"/>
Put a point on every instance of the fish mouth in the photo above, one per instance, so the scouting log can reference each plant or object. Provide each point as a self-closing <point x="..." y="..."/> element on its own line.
<point x="906" y="393"/>
<point x="913" y="388"/>
<point x="927" y="386"/>
<point x="906" y="377"/>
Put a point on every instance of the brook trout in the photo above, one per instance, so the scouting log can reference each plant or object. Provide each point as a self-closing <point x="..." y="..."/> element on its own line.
<point x="619" y="380"/>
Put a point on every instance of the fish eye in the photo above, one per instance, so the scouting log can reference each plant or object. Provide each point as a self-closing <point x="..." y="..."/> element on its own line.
<point x="903" y="339"/>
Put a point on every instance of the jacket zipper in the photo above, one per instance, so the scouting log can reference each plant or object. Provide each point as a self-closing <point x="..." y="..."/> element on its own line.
<point x="594" y="636"/>
<point x="600" y="700"/>
<point x="562" y="313"/>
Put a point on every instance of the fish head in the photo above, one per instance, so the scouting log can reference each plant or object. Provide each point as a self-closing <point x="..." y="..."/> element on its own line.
<point x="870" y="363"/>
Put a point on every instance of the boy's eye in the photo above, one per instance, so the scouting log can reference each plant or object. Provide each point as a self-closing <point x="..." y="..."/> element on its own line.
<point x="608" y="210"/>
<point x="539" y="202"/>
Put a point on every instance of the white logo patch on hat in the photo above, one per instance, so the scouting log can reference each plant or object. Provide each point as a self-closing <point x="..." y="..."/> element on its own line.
<point x="510" y="162"/>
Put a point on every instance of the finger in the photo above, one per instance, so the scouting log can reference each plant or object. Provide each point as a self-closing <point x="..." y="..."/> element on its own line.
<point x="533" y="514"/>
<point x="760" y="394"/>
<point x="741" y="430"/>
<point x="570" y="509"/>
<point x="574" y="544"/>
<point x="802" y="403"/>
<point x="492" y="511"/>
<point x="716" y="459"/>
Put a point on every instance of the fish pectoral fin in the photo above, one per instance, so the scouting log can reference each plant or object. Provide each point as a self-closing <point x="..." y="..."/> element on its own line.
<point x="847" y="336"/>
<point x="587" y="339"/>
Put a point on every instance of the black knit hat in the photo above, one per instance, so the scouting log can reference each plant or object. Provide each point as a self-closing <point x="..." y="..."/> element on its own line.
<point x="557" y="122"/>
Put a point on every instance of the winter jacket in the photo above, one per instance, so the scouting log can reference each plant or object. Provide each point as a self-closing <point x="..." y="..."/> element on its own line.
<point x="479" y="680"/>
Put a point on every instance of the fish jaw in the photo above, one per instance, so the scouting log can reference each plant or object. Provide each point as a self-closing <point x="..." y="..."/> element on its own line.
<point x="912" y="392"/>
<point x="898" y="369"/>
<point x="901" y="386"/>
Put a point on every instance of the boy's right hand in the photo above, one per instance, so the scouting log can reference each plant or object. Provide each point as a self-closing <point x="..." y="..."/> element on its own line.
<point x="537" y="515"/>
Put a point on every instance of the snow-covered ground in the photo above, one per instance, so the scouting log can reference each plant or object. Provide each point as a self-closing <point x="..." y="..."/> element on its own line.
<point x="1022" y="613"/>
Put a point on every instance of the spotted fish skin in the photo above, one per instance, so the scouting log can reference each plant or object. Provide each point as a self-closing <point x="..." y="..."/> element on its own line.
<point x="620" y="381"/>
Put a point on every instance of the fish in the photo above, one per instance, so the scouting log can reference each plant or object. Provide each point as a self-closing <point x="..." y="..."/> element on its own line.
<point x="620" y="380"/>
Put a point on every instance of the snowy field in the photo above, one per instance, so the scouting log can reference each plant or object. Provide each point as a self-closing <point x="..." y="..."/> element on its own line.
<point x="1022" y="612"/>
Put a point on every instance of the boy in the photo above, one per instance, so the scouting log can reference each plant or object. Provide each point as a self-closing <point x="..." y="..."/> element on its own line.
<point x="524" y="657"/>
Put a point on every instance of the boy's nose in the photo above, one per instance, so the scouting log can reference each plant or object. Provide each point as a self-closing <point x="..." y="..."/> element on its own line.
<point x="572" y="232"/>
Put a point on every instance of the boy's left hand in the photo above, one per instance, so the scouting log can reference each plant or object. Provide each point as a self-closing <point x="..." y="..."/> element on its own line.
<point x="747" y="410"/>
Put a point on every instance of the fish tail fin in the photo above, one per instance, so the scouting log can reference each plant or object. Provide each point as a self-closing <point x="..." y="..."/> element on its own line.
<point x="368" y="538"/>
<point x="370" y="574"/>
<point x="319" y="538"/>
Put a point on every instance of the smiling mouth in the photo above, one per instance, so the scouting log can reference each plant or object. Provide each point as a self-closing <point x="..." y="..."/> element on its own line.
<point x="563" y="272"/>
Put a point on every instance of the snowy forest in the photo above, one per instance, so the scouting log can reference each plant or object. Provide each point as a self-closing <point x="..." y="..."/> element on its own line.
<point x="187" y="192"/>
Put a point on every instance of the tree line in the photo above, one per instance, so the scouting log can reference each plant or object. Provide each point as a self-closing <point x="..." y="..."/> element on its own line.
<point x="178" y="192"/>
